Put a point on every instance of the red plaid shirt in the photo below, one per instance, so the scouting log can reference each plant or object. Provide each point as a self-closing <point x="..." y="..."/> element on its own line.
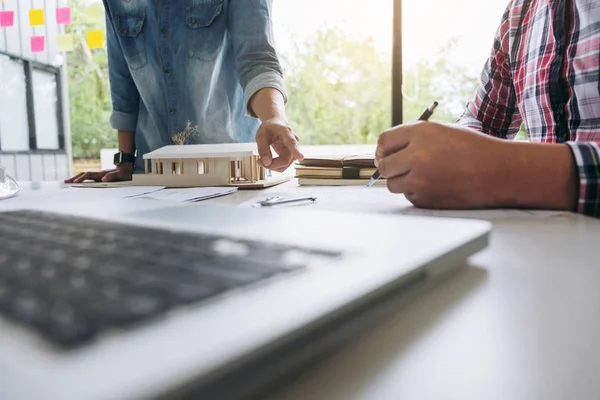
<point x="544" y="71"/>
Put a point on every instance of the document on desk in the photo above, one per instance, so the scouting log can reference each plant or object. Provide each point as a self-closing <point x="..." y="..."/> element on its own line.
<point x="30" y="196"/>
<point x="189" y="194"/>
<point x="67" y="193"/>
<point x="380" y="200"/>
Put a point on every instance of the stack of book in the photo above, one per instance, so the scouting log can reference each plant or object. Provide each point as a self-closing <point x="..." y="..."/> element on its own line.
<point x="336" y="170"/>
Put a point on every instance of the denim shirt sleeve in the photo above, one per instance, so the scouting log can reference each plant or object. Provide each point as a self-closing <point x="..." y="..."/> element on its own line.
<point x="253" y="42"/>
<point x="124" y="94"/>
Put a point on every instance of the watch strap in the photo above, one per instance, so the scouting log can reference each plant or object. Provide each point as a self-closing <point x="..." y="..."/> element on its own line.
<point x="122" y="157"/>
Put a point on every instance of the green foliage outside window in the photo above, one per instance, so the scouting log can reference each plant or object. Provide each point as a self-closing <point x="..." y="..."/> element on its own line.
<point x="89" y="92"/>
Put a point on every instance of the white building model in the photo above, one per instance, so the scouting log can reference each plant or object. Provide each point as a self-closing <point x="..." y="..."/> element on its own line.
<point x="231" y="164"/>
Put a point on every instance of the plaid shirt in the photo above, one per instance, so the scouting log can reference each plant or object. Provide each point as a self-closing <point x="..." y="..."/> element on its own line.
<point x="544" y="71"/>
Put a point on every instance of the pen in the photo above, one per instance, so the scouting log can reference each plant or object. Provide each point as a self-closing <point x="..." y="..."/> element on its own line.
<point x="278" y="200"/>
<point x="424" y="117"/>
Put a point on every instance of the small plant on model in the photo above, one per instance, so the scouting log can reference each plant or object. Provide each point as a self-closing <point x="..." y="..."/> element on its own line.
<point x="183" y="137"/>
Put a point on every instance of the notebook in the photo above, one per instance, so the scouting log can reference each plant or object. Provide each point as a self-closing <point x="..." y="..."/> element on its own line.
<point x="339" y="161"/>
<point x="337" y="170"/>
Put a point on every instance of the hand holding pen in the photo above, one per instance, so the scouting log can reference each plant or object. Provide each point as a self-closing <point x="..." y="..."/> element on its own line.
<point x="424" y="117"/>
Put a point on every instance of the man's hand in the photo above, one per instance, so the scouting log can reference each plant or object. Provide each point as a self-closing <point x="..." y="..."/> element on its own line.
<point x="277" y="133"/>
<point x="438" y="166"/>
<point x="441" y="166"/>
<point x="123" y="172"/>
<point x="447" y="166"/>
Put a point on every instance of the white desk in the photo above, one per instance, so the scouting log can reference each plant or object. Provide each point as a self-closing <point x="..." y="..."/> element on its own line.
<point x="522" y="322"/>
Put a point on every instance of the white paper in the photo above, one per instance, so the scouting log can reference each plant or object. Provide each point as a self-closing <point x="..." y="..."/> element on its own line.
<point x="380" y="200"/>
<point x="33" y="194"/>
<point x="189" y="194"/>
<point x="116" y="192"/>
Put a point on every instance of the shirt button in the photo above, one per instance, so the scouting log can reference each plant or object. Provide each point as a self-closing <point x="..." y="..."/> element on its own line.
<point x="172" y="111"/>
<point x="164" y="31"/>
<point x="167" y="70"/>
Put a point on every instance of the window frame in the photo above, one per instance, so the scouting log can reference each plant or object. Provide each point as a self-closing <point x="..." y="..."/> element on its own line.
<point x="28" y="67"/>
<point x="397" y="104"/>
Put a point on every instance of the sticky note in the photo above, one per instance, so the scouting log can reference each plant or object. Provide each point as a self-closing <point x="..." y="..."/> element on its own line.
<point x="95" y="39"/>
<point x="65" y="42"/>
<point x="63" y="16"/>
<point x="95" y="13"/>
<point x="37" y="44"/>
<point x="7" y="18"/>
<point x="36" y="17"/>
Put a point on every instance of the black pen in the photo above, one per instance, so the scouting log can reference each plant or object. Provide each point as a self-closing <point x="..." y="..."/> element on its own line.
<point x="424" y="117"/>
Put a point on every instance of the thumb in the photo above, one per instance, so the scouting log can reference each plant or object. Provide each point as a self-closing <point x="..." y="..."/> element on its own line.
<point x="264" y="148"/>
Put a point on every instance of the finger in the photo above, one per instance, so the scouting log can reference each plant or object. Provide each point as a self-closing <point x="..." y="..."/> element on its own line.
<point x="264" y="147"/>
<point x="72" y="179"/>
<point x="282" y="162"/>
<point x="393" y="140"/>
<point x="400" y="184"/>
<point x="396" y="164"/>
<point x="95" y="176"/>
<point x="291" y="142"/>
<point x="112" y="176"/>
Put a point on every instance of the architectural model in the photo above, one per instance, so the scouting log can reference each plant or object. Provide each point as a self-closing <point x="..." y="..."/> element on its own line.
<point x="230" y="164"/>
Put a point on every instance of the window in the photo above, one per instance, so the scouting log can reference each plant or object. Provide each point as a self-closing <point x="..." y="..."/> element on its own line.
<point x="336" y="56"/>
<point x="14" y="130"/>
<point x="30" y="106"/>
<point x="445" y="46"/>
<point x="45" y="97"/>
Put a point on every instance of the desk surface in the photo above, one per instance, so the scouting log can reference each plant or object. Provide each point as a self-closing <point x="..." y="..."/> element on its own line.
<point x="521" y="322"/>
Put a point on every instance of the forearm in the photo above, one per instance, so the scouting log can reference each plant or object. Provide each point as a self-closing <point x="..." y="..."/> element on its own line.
<point x="258" y="65"/>
<point x="268" y="103"/>
<point x="126" y="141"/>
<point x="535" y="175"/>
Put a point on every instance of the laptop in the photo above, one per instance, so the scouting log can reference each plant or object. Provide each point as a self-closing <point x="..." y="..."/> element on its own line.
<point x="135" y="299"/>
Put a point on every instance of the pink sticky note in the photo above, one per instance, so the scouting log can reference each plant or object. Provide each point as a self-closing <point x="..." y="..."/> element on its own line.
<point x="7" y="18"/>
<point x="37" y="44"/>
<point x="63" y="16"/>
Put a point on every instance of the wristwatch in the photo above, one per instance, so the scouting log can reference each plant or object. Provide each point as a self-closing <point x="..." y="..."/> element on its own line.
<point x="122" y="157"/>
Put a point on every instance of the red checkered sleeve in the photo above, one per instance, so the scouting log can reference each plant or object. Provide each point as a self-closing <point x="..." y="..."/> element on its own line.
<point x="493" y="109"/>
<point x="587" y="158"/>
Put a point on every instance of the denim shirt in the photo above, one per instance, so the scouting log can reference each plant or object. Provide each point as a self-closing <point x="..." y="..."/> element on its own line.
<point x="174" y="61"/>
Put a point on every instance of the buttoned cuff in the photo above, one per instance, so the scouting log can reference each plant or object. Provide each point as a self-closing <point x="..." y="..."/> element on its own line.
<point x="265" y="80"/>
<point x="587" y="158"/>
<point x="123" y="122"/>
<point x="468" y="120"/>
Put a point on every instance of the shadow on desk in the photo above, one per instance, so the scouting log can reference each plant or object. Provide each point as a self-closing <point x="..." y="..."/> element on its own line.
<point x="352" y="365"/>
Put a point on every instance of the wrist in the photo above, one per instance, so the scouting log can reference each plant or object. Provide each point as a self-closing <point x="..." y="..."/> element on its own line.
<point x="124" y="160"/>
<point x="537" y="175"/>
<point x="126" y="167"/>
<point x="268" y="105"/>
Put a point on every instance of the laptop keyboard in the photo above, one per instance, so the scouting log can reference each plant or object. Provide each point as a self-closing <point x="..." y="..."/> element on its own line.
<point x="72" y="278"/>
